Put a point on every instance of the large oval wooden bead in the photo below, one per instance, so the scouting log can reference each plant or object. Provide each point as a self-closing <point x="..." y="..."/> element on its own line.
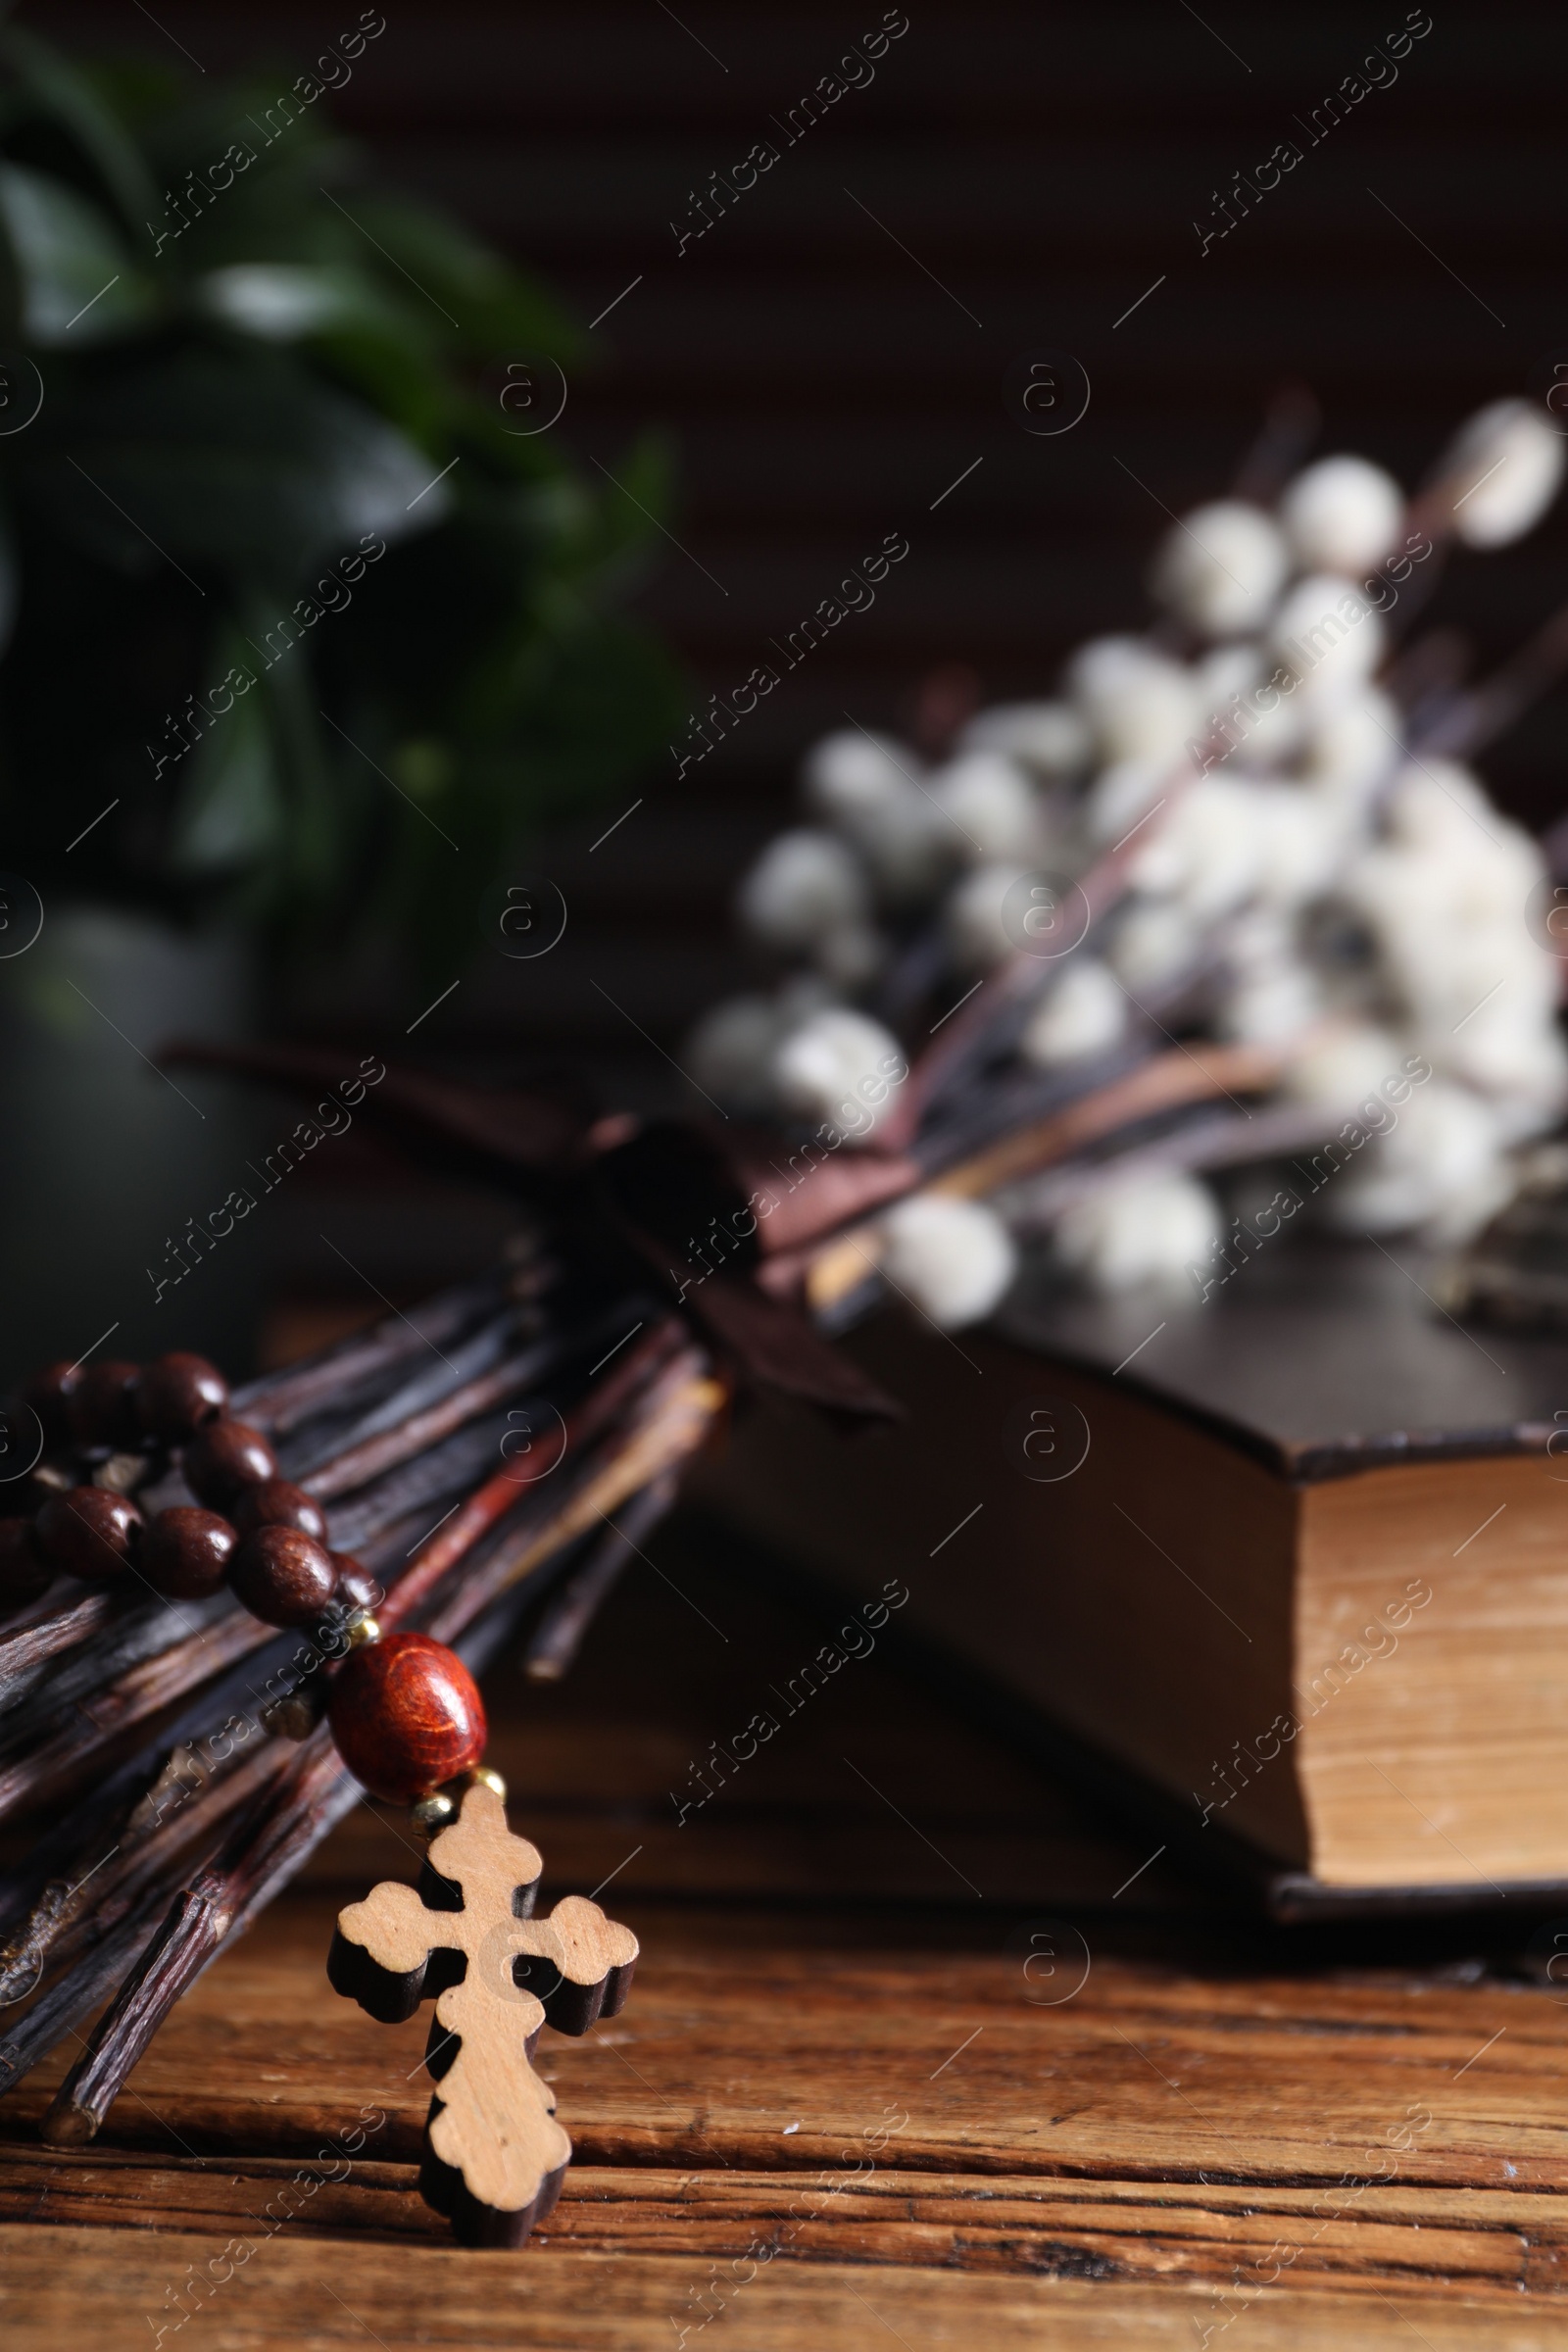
<point x="407" y="1715"/>
<point x="222" y="1459"/>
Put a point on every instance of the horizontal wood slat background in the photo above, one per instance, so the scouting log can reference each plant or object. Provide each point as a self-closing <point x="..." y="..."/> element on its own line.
<point x="1047" y="166"/>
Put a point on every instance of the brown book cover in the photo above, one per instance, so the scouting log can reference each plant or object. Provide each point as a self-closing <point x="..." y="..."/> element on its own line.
<point x="1290" y="1564"/>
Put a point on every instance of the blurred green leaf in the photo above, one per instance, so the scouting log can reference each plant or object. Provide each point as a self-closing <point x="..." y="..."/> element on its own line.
<point x="234" y="464"/>
<point x="273" y="444"/>
<point x="285" y="302"/>
<point x="230" y="818"/>
<point x="492" y="309"/>
<point x="67" y="95"/>
<point x="76" y="272"/>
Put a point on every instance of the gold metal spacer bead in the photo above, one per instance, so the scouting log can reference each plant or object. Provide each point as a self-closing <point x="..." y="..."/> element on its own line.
<point x="361" y="1632"/>
<point x="484" y="1777"/>
<point x="432" y="1813"/>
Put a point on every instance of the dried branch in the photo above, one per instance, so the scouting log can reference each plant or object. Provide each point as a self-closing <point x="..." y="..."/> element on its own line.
<point x="358" y="1464"/>
<point x="144" y="1691"/>
<point x="66" y="1918"/>
<point x="316" y="1790"/>
<point x="280" y="1400"/>
<point x="32" y="1646"/>
<point x="561" y="1631"/>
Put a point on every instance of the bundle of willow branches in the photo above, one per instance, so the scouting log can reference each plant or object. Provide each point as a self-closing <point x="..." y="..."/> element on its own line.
<point x="516" y="1432"/>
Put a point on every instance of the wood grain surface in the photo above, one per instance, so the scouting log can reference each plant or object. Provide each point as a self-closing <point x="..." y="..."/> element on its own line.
<point x="918" y="2052"/>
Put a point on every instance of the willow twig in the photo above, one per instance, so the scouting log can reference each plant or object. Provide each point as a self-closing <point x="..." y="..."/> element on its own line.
<point x="32" y="1646"/>
<point x="359" y="1463"/>
<point x="447" y="1469"/>
<point x="681" y="1407"/>
<point x="145" y="1691"/>
<point x="69" y="2002"/>
<point x="66" y="1918"/>
<point x="1164" y="1083"/>
<point x="218" y="1709"/>
<point x="1291" y="422"/>
<point x="560" y="1633"/>
<point x="1227" y="1138"/>
<point x="1471" y="719"/>
<point x="328" y="1434"/>
<point x="130" y="1639"/>
<point x="280" y="1400"/>
<point x="504" y="1493"/>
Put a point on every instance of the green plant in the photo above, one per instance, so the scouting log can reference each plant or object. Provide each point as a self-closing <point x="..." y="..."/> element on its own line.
<point x="257" y="370"/>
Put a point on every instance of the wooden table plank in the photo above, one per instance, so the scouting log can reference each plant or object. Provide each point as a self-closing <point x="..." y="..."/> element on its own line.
<point x="726" y="2050"/>
<point x="1410" y="2239"/>
<point x="297" y="2294"/>
<point x="835" y="2072"/>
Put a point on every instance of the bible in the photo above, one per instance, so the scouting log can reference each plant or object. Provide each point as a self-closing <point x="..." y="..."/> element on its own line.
<point x="1287" y="1567"/>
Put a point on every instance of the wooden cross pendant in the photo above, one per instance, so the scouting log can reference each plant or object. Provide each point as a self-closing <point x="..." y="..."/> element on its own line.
<point x="494" y="2154"/>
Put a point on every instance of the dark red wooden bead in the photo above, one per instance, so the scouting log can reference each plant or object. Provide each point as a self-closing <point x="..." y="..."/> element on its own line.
<point x="102" y="1410"/>
<point x="185" y="1553"/>
<point x="276" y="1503"/>
<point x="25" y="1572"/>
<point x="89" y="1533"/>
<point x="282" y="1575"/>
<point x="179" y="1395"/>
<point x="407" y="1715"/>
<point x="357" y="1587"/>
<point x="225" y="1459"/>
<point x="49" y="1394"/>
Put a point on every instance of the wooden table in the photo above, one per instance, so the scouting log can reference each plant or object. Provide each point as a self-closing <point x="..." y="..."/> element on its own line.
<point x="919" y="2054"/>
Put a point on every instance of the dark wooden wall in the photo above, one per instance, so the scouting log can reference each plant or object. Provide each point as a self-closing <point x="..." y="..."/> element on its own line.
<point x="826" y="375"/>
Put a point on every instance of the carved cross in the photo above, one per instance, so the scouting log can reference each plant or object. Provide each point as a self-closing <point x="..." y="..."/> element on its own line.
<point x="494" y="2154"/>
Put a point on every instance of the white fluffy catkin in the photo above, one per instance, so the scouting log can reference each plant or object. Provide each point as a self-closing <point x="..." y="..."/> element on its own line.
<point x="1083" y="1011"/>
<point x="1139" y="703"/>
<point x="1221" y="568"/>
<point x="837" y="1069"/>
<point x="1139" y="1230"/>
<point x="1048" y="738"/>
<point x="1342" y="514"/>
<point x="1330" y="635"/>
<point x="730" y="1051"/>
<point x="1502" y="473"/>
<point x="803" y="886"/>
<point x="991" y="806"/>
<point x="976" y="936"/>
<point x="953" y="1258"/>
<point x="853" y="771"/>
